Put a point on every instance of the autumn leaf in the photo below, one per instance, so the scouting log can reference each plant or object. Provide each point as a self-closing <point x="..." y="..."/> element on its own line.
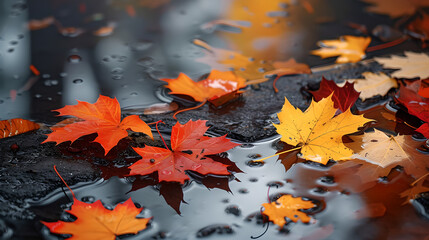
<point x="343" y="97"/>
<point x="416" y="105"/>
<point x="424" y="88"/>
<point x="395" y="8"/>
<point x="374" y="84"/>
<point x="189" y="151"/>
<point x="96" y="222"/>
<point x="13" y="127"/>
<point x="289" y="67"/>
<point x="317" y="130"/>
<point x="215" y="86"/>
<point x="287" y="206"/>
<point x="348" y="48"/>
<point x="412" y="65"/>
<point x="103" y="118"/>
<point x="380" y="149"/>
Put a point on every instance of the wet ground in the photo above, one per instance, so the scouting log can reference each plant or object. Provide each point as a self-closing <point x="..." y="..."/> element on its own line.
<point x="121" y="49"/>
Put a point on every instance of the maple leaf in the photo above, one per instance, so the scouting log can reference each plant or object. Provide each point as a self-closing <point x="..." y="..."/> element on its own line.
<point x="348" y="48"/>
<point x="416" y="105"/>
<point x="374" y="84"/>
<point x="380" y="149"/>
<point x="103" y="117"/>
<point x="317" y="131"/>
<point x="395" y="8"/>
<point x="343" y="97"/>
<point x="412" y="65"/>
<point x="96" y="222"/>
<point x="287" y="206"/>
<point x="413" y="192"/>
<point x="424" y="88"/>
<point x="190" y="150"/>
<point x="216" y="85"/>
<point x="13" y="127"/>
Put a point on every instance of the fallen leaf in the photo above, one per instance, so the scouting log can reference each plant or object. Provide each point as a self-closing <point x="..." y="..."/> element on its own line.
<point x="343" y="97"/>
<point x="419" y="27"/>
<point x="416" y="105"/>
<point x="374" y="84"/>
<point x="190" y="150"/>
<point x="412" y="65"/>
<point x="96" y="222"/>
<point x="103" y="118"/>
<point x="395" y="8"/>
<point x="216" y="85"/>
<point x="379" y="149"/>
<point x="317" y="130"/>
<point x="247" y="67"/>
<point x="16" y="126"/>
<point x="414" y="191"/>
<point x="348" y="48"/>
<point x="287" y="206"/>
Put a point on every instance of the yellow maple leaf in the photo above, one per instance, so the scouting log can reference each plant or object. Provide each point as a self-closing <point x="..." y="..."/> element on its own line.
<point x="380" y="149"/>
<point x="348" y="48"/>
<point x="287" y="206"/>
<point x="318" y="131"/>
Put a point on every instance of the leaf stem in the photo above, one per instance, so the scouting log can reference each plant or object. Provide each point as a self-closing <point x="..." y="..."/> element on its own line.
<point x="191" y="108"/>
<point x="156" y="126"/>
<point x="290" y="150"/>
<point x="55" y="168"/>
<point x="274" y="84"/>
<point x="387" y="45"/>
<point x="420" y="178"/>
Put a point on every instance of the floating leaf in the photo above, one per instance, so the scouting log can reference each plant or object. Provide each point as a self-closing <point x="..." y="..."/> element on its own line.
<point x="103" y="118"/>
<point x="287" y="206"/>
<point x="374" y="84"/>
<point x="395" y="8"/>
<point x="317" y="130"/>
<point x="190" y="150"/>
<point x="96" y="222"/>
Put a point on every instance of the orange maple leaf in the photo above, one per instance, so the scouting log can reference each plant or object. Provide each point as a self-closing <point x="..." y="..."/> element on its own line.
<point x="96" y="222"/>
<point x="215" y="86"/>
<point x="348" y="48"/>
<point x="103" y="118"/>
<point x="287" y="206"/>
<point x="12" y="127"/>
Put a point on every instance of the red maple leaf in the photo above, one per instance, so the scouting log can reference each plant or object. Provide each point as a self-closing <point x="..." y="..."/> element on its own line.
<point x="416" y="104"/>
<point x="190" y="150"/>
<point x="343" y="97"/>
<point x="103" y="118"/>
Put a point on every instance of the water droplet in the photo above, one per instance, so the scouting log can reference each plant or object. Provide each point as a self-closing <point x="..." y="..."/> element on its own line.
<point x="255" y="164"/>
<point x="234" y="210"/>
<point x="253" y="179"/>
<point x="145" y="62"/>
<point x="20" y="36"/>
<point x="1" y="101"/>
<point x="78" y="81"/>
<point x="275" y="184"/>
<point x="63" y="74"/>
<point x="214" y="229"/>
<point x="37" y="95"/>
<point x="247" y="145"/>
<point x="254" y="156"/>
<point x="243" y="191"/>
<point x="13" y="42"/>
<point x="134" y="94"/>
<point x="122" y="59"/>
<point x="88" y="199"/>
<point x="10" y="50"/>
<point x="327" y="180"/>
<point x="74" y="58"/>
